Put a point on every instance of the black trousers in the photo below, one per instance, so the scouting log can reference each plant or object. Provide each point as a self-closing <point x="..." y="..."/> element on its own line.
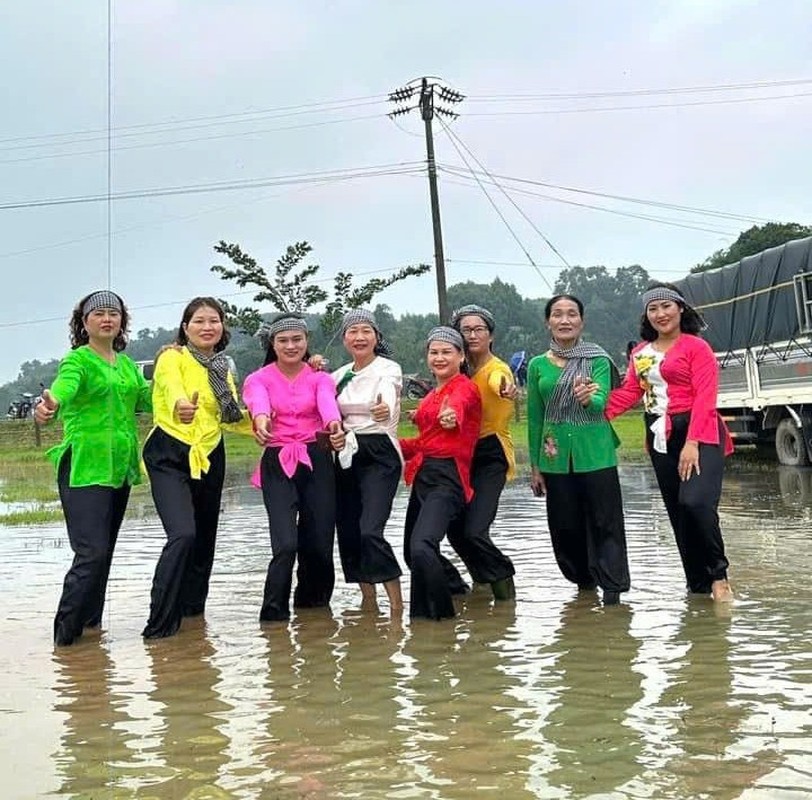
<point x="692" y="505"/>
<point x="436" y="499"/>
<point x="93" y="515"/>
<point x="190" y="511"/>
<point x="364" y="495"/>
<point x="585" y="517"/>
<point x="470" y="534"/>
<point x="301" y="517"/>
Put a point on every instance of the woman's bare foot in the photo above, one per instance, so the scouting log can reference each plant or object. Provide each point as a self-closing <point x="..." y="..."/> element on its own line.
<point x="369" y="596"/>
<point x="721" y="591"/>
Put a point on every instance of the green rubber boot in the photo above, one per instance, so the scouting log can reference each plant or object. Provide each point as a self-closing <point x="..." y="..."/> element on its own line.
<point x="504" y="589"/>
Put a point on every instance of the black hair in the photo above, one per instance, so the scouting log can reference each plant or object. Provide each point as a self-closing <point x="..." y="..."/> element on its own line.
<point x="690" y="320"/>
<point x="548" y="309"/>
<point x="194" y="305"/>
<point x="78" y="334"/>
<point x="270" y="353"/>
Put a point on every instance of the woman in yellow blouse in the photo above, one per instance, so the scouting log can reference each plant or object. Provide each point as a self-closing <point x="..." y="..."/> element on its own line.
<point x="193" y="396"/>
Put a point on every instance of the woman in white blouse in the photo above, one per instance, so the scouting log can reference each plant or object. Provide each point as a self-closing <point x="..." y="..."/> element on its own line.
<point x="369" y="467"/>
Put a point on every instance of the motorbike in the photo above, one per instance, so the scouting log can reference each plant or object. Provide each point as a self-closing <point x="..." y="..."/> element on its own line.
<point x="415" y="387"/>
<point x="22" y="408"/>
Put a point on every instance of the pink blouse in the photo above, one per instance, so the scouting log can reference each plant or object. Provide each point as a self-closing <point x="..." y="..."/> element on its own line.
<point x="691" y="372"/>
<point x="298" y="407"/>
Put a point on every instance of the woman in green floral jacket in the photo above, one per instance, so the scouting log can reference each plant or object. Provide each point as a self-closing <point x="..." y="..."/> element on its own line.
<point x="573" y="453"/>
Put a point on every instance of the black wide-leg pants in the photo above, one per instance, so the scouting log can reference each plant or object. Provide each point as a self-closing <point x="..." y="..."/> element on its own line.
<point x="470" y="534"/>
<point x="301" y="518"/>
<point x="189" y="509"/>
<point x="436" y="499"/>
<point x="93" y="515"/>
<point x="585" y="517"/>
<point x="692" y="505"/>
<point x="364" y="495"/>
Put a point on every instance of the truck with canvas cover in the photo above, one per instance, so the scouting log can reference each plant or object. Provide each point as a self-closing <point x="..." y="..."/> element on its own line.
<point x="759" y="323"/>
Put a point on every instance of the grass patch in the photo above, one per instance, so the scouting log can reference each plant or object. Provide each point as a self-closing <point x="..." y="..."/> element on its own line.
<point x="34" y="516"/>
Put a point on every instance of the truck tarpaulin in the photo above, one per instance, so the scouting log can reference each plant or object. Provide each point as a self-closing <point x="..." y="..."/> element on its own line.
<point x="751" y="303"/>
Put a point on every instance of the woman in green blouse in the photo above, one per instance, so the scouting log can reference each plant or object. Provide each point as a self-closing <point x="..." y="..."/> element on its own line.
<point x="96" y="394"/>
<point x="572" y="453"/>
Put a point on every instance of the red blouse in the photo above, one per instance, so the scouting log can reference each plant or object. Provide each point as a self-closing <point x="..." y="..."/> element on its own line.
<point x="461" y="395"/>
<point x="691" y="373"/>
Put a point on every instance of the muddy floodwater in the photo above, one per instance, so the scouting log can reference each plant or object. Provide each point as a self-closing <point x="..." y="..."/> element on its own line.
<point x="665" y="696"/>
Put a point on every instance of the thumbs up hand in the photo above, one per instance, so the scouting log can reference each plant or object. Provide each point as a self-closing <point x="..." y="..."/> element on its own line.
<point x="583" y="389"/>
<point x="44" y="412"/>
<point x="186" y="409"/>
<point x="447" y="416"/>
<point x="507" y="390"/>
<point x="379" y="411"/>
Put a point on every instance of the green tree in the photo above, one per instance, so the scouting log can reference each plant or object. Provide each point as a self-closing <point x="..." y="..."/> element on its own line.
<point x="754" y="240"/>
<point x="293" y="286"/>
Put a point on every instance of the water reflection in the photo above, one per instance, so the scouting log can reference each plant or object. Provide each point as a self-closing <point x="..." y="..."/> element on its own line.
<point x="597" y="686"/>
<point x="191" y="748"/>
<point x="554" y="697"/>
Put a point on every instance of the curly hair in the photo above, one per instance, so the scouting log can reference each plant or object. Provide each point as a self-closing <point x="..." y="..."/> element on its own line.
<point x="690" y="319"/>
<point x="194" y="305"/>
<point x="78" y="334"/>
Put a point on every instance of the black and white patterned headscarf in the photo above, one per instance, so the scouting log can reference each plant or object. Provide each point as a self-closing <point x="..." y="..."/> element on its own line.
<point x="281" y="322"/>
<point x="442" y="333"/>
<point x="217" y="365"/>
<point x="102" y="299"/>
<point x="563" y="406"/>
<point x="358" y="316"/>
<point x="473" y="310"/>
<point x="661" y="293"/>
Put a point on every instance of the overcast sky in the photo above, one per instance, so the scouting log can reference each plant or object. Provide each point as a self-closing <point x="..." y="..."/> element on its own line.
<point x="223" y="77"/>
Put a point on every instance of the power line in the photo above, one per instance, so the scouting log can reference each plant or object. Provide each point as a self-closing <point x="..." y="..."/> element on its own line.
<point x="640" y="107"/>
<point x="679" y="271"/>
<point x="398" y="168"/>
<point x="233" y="134"/>
<point x="214" y="119"/>
<point x="592" y="207"/>
<point x="721" y="87"/>
<point x="454" y="138"/>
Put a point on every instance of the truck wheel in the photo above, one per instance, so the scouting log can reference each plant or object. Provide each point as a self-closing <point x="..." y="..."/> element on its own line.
<point x="789" y="444"/>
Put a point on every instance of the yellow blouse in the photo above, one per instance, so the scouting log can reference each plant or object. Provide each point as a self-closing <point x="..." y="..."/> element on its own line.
<point x="177" y="377"/>
<point x="496" y="410"/>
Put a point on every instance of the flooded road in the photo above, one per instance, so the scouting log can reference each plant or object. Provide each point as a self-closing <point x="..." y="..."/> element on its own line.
<point x="665" y="696"/>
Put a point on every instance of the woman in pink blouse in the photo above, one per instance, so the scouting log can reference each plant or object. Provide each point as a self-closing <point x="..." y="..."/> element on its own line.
<point x="297" y="421"/>
<point x="676" y="375"/>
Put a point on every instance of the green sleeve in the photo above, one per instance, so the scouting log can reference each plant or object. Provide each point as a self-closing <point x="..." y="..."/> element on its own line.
<point x="602" y="375"/>
<point x="144" y="401"/>
<point x="68" y="378"/>
<point x="535" y="410"/>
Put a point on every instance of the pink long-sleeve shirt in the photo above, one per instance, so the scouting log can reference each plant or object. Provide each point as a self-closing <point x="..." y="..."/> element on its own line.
<point x="298" y="408"/>
<point x="691" y="372"/>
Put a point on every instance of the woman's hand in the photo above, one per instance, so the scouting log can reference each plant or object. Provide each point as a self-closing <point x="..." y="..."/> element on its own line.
<point x="318" y="362"/>
<point x="410" y="415"/>
<point x="507" y="390"/>
<point x="44" y="411"/>
<point x="186" y="409"/>
<point x="262" y="429"/>
<point x="583" y="389"/>
<point x="379" y="411"/>
<point x="337" y="437"/>
<point x="537" y="483"/>
<point x="447" y="416"/>
<point x="688" y="460"/>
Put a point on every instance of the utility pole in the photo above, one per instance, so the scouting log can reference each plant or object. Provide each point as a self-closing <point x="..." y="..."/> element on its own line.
<point x="426" y="89"/>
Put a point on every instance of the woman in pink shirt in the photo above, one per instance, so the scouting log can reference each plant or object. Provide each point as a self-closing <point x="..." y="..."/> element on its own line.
<point x="676" y="375"/>
<point x="297" y="421"/>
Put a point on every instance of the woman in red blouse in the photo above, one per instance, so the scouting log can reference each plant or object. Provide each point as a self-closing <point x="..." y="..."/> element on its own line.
<point x="438" y="467"/>
<point x="676" y="375"/>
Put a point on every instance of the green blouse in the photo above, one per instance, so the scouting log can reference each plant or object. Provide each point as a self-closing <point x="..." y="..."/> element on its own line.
<point x="97" y="406"/>
<point x="561" y="447"/>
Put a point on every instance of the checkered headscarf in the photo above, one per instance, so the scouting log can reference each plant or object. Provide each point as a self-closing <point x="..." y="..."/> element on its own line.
<point x="472" y="310"/>
<point x="661" y="293"/>
<point x="442" y="333"/>
<point x="282" y="322"/>
<point x="357" y="316"/>
<point x="102" y="299"/>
